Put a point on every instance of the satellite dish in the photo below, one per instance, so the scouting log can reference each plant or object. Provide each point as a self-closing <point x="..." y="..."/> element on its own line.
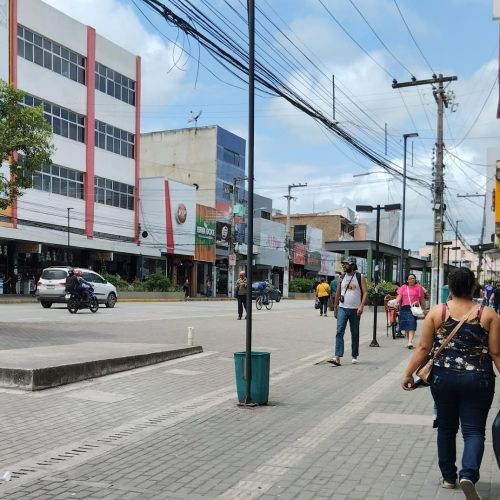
<point x="194" y="117"/>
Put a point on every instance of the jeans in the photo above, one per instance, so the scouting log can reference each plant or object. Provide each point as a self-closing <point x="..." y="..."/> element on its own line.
<point x="242" y="304"/>
<point x="343" y="316"/>
<point x="323" y="304"/>
<point x="463" y="396"/>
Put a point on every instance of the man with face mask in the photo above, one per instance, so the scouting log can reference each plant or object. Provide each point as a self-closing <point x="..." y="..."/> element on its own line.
<point x="350" y="299"/>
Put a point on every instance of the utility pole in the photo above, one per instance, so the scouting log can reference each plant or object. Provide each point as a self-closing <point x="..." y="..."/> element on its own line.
<point x="456" y="238"/>
<point x="286" y="272"/>
<point x="232" y="242"/>
<point x="442" y="100"/>
<point x="480" y="259"/>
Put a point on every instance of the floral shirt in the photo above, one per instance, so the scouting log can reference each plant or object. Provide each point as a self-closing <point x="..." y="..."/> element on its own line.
<point x="467" y="350"/>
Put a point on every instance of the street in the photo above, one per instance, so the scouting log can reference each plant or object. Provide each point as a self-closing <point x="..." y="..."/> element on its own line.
<point x="174" y="431"/>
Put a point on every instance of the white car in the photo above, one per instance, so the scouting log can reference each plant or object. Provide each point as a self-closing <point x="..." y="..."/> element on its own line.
<point x="52" y="283"/>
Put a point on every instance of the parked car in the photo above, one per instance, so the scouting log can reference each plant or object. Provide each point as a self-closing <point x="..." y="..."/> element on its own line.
<point x="274" y="293"/>
<point x="52" y="282"/>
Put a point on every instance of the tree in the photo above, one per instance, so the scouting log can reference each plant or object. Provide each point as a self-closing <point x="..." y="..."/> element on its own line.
<point x="25" y="143"/>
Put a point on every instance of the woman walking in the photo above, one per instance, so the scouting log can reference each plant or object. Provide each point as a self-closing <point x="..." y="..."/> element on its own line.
<point x="323" y="294"/>
<point x="462" y="380"/>
<point x="409" y="294"/>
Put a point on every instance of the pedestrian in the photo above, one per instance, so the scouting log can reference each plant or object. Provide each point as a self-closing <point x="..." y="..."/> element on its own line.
<point x="350" y="300"/>
<point x="488" y="290"/>
<point x="333" y="284"/>
<point x="495" y="297"/>
<point x="462" y="379"/>
<point x="407" y="295"/>
<point x="241" y="290"/>
<point x="185" y="287"/>
<point x="208" y="288"/>
<point x="323" y="294"/>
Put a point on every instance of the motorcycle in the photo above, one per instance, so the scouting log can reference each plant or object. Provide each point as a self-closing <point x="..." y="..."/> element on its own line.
<point x="78" y="301"/>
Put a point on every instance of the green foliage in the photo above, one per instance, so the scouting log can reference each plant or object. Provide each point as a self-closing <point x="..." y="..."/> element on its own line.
<point x="301" y="285"/>
<point x="24" y="131"/>
<point x="115" y="279"/>
<point x="156" y="282"/>
<point x="384" y="288"/>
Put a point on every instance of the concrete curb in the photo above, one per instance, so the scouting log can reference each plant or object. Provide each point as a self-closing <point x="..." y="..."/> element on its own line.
<point x="36" y="379"/>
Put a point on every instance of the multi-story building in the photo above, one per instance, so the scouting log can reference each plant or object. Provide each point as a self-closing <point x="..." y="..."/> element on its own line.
<point x="83" y="209"/>
<point x="213" y="161"/>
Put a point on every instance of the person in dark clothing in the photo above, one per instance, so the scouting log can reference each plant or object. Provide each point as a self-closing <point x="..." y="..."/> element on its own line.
<point x="72" y="284"/>
<point x="241" y="290"/>
<point x="496" y="298"/>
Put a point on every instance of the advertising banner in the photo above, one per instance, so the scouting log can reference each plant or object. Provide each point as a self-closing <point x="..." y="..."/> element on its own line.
<point x="223" y="234"/>
<point x="205" y="234"/>
<point x="314" y="239"/>
<point x="328" y="261"/>
<point x="299" y="253"/>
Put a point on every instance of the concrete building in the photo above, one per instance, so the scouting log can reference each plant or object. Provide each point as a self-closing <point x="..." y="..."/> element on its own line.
<point x="213" y="161"/>
<point x="84" y="208"/>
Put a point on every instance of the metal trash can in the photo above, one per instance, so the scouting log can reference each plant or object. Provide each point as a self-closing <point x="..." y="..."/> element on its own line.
<point x="259" y="386"/>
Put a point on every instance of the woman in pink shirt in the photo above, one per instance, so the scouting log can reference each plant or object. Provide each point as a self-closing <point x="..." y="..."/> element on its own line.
<point x="408" y="295"/>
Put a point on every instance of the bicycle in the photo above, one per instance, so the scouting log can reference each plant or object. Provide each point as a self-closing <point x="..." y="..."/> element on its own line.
<point x="392" y="315"/>
<point x="264" y="299"/>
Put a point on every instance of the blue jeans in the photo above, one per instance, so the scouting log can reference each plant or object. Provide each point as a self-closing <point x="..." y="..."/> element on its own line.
<point x="463" y="396"/>
<point x="343" y="316"/>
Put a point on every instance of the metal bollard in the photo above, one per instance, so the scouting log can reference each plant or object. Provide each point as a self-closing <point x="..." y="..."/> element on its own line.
<point x="190" y="336"/>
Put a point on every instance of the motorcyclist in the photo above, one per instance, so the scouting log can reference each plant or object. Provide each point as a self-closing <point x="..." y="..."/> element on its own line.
<point x="83" y="286"/>
<point x="72" y="283"/>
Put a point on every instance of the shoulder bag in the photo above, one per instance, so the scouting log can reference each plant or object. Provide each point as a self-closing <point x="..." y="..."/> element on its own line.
<point x="424" y="371"/>
<point x="416" y="310"/>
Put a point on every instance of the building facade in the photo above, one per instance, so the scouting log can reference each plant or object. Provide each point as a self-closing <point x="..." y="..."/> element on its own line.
<point x="83" y="209"/>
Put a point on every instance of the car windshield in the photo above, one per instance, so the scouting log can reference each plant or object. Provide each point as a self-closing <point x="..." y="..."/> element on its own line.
<point x="54" y="274"/>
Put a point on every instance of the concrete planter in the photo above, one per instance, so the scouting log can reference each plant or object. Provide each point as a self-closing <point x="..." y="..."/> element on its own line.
<point x="153" y="296"/>
<point x="301" y="296"/>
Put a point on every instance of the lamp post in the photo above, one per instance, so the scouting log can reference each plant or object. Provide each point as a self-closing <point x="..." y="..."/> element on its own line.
<point x="376" y="274"/>
<point x="403" y="211"/>
<point x="69" y="210"/>
<point x="439" y="244"/>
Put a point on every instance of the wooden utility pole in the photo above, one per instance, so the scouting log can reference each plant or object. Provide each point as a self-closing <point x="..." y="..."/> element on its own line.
<point x="439" y="208"/>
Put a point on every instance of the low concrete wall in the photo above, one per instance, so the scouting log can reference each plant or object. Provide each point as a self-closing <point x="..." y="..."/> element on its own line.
<point x="301" y="296"/>
<point x="153" y="296"/>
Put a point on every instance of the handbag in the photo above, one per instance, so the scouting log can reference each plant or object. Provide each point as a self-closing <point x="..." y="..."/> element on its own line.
<point x="424" y="371"/>
<point x="317" y="303"/>
<point x="416" y="310"/>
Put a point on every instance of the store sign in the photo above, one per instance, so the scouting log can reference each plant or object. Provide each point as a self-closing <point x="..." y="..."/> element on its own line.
<point x="299" y="254"/>
<point x="204" y="249"/>
<point x="223" y="234"/>
<point x="29" y="247"/>
<point x="104" y="256"/>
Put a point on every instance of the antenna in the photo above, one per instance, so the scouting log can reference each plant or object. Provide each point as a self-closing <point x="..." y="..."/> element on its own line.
<point x="194" y="118"/>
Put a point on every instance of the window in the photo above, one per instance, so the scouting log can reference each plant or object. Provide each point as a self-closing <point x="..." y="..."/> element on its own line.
<point x="114" y="84"/>
<point x="50" y="55"/>
<point x="114" y="139"/>
<point x="230" y="157"/>
<point x="59" y="180"/>
<point x="63" y="121"/>
<point x="113" y="193"/>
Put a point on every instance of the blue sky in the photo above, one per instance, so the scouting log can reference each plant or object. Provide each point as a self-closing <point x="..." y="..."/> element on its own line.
<point x="454" y="37"/>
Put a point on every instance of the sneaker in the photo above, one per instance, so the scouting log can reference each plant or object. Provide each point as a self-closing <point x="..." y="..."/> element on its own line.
<point x="334" y="361"/>
<point x="354" y="361"/>
<point x="326" y="315"/>
<point x="409" y="346"/>
<point x="321" y="314"/>
<point x="469" y="489"/>
<point x="446" y="484"/>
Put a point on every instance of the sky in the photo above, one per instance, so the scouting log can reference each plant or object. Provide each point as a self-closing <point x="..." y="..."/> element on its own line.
<point x="365" y="44"/>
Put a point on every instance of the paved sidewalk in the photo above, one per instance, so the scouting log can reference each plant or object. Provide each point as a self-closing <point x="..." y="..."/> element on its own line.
<point x="174" y="431"/>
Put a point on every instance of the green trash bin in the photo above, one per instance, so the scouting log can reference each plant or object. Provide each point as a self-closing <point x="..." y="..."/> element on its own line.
<point x="259" y="387"/>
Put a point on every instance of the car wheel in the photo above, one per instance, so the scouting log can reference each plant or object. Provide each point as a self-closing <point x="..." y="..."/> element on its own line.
<point x="46" y="304"/>
<point x="111" y="300"/>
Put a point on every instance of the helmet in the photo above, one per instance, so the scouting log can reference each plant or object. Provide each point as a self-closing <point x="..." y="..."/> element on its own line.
<point x="78" y="272"/>
<point x="71" y="272"/>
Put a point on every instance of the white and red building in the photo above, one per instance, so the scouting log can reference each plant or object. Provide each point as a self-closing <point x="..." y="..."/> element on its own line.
<point x="84" y="208"/>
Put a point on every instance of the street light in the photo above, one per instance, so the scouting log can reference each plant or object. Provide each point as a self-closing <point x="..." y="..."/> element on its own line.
<point x="403" y="212"/>
<point x="439" y="244"/>
<point x="69" y="209"/>
<point x="376" y="275"/>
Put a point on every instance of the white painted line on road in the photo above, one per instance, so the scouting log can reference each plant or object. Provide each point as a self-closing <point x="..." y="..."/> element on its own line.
<point x="398" y="419"/>
<point x="265" y="477"/>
